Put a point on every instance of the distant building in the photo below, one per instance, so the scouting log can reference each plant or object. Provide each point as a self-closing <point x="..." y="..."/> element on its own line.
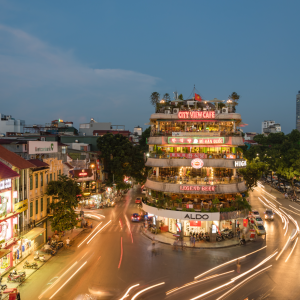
<point x="9" y="124"/>
<point x="270" y="127"/>
<point x="298" y="111"/>
<point x="138" y="130"/>
<point x="249" y="136"/>
<point x="88" y="128"/>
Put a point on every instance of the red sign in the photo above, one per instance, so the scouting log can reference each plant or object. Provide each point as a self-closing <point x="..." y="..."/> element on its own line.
<point x="195" y="140"/>
<point x="189" y="155"/>
<point x="245" y="222"/>
<point x="204" y="188"/>
<point x="195" y="223"/>
<point x="196" y="115"/>
<point x="82" y="174"/>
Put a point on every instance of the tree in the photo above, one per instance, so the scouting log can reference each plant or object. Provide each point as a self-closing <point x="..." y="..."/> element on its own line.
<point x="235" y="98"/>
<point x="180" y="97"/>
<point x="252" y="173"/>
<point x="143" y="140"/>
<point x="121" y="159"/>
<point x="154" y="98"/>
<point x="64" y="193"/>
<point x="167" y="97"/>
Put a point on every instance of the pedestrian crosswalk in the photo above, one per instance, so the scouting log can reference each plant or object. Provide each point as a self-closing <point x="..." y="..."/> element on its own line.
<point x="134" y="228"/>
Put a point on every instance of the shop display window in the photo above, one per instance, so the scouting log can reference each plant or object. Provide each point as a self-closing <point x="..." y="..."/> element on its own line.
<point x="5" y="262"/>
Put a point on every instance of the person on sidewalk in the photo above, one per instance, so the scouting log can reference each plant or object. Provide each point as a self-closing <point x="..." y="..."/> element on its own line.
<point x="238" y="233"/>
<point x="194" y="240"/>
<point x="68" y="242"/>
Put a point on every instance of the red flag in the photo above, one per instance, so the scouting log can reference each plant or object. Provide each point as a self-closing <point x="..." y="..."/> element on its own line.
<point x="198" y="97"/>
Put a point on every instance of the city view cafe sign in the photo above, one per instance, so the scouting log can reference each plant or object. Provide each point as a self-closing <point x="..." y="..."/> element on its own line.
<point x="196" y="140"/>
<point x="196" y="115"/>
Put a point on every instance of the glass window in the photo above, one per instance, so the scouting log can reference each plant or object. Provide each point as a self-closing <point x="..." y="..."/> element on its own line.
<point x="31" y="209"/>
<point x="51" y="177"/>
<point x="54" y="176"/>
<point x="59" y="172"/>
<point x="42" y="179"/>
<point x="42" y="204"/>
<point x="48" y="202"/>
<point x="47" y="178"/>
<point x="31" y="183"/>
<point x="36" y="207"/>
<point x="36" y="181"/>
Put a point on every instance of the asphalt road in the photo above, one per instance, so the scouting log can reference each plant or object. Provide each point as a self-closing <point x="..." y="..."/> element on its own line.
<point x="105" y="262"/>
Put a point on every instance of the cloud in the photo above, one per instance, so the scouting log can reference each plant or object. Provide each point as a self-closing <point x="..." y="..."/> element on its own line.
<point x="40" y="82"/>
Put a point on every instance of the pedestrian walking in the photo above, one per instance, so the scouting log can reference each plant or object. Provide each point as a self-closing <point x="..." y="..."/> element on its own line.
<point x="202" y="204"/>
<point x="68" y="242"/>
<point x="238" y="233"/>
<point x="191" y="240"/>
<point x="194" y="240"/>
<point x="238" y="266"/>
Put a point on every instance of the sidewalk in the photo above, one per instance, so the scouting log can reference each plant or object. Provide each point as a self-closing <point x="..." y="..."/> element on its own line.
<point x="30" y="259"/>
<point x="168" y="238"/>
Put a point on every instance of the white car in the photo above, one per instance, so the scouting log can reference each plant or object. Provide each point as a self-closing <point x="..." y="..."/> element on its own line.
<point x="143" y="191"/>
<point x="269" y="215"/>
<point x="255" y="214"/>
<point x="258" y="221"/>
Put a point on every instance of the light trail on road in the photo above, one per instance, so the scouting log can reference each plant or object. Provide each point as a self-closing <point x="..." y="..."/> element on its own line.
<point x="121" y="256"/>
<point x="68" y="280"/>
<point x="56" y="281"/>
<point x="126" y="294"/>
<point x="229" y="262"/>
<point x="89" y="235"/>
<point x="241" y="283"/>
<point x="146" y="289"/>
<point x="196" y="281"/>
<point x="98" y="231"/>
<point x="232" y="280"/>
<point x="292" y="250"/>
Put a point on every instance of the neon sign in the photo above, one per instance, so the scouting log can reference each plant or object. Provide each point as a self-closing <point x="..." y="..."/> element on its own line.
<point x="204" y="188"/>
<point x="197" y="163"/>
<point x="83" y="174"/>
<point x="195" y="140"/>
<point x="196" y="115"/>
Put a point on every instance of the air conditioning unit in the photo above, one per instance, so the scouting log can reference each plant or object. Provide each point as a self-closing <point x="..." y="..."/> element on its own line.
<point x="175" y="110"/>
<point x="218" y="111"/>
<point x="167" y="112"/>
<point x="225" y="110"/>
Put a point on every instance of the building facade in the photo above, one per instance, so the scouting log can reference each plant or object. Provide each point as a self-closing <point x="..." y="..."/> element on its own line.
<point x="270" y="127"/>
<point x="9" y="124"/>
<point x="194" y="179"/>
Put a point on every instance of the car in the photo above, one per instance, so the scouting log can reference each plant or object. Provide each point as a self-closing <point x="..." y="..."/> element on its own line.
<point x="260" y="229"/>
<point x="258" y="221"/>
<point x="269" y="215"/>
<point x="135" y="217"/>
<point x="138" y="200"/>
<point x="255" y="214"/>
<point x="143" y="191"/>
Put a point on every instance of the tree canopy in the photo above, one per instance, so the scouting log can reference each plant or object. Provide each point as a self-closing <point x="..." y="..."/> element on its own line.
<point x="121" y="158"/>
<point x="154" y="98"/>
<point x="64" y="193"/>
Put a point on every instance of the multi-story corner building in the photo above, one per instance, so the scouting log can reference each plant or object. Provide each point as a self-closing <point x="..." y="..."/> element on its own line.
<point x="270" y="127"/>
<point x="298" y="111"/>
<point x="194" y="180"/>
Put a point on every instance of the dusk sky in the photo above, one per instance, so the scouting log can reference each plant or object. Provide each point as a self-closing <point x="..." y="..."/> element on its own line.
<point x="77" y="60"/>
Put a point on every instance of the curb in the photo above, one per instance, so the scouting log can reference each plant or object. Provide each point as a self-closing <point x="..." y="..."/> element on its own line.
<point x="222" y="247"/>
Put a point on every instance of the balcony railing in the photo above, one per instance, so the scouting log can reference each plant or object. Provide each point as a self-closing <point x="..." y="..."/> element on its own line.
<point x="218" y="133"/>
<point x="229" y="156"/>
<point x="196" y="180"/>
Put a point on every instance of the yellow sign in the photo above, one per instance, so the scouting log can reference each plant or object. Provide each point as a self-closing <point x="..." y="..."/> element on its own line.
<point x="21" y="206"/>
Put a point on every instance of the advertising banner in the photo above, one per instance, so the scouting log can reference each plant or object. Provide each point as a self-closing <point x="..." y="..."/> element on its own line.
<point x="38" y="147"/>
<point x="189" y="155"/>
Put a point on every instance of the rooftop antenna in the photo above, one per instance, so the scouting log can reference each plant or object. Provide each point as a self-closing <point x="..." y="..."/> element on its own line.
<point x="175" y="95"/>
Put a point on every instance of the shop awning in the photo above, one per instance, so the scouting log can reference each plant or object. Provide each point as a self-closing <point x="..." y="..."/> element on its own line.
<point x="4" y="252"/>
<point x="32" y="234"/>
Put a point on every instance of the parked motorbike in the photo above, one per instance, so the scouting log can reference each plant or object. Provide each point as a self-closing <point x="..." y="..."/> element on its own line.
<point x="21" y="273"/>
<point x="39" y="257"/>
<point x="15" y="278"/>
<point x="3" y="287"/>
<point x="28" y="265"/>
<point x="228" y="233"/>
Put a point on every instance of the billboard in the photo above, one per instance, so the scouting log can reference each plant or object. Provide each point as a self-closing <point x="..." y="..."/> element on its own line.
<point x="38" y="147"/>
